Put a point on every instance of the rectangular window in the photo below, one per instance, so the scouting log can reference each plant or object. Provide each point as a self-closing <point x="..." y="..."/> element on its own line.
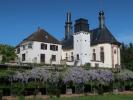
<point x="42" y="58"/>
<point x="44" y="46"/>
<point x="102" y="54"/>
<point x="54" y="47"/>
<point x="30" y="45"/>
<point x="23" y="57"/>
<point x="18" y="50"/>
<point x="53" y="58"/>
<point x="72" y="58"/>
<point x="94" y="56"/>
<point x="77" y="56"/>
<point x="23" y="47"/>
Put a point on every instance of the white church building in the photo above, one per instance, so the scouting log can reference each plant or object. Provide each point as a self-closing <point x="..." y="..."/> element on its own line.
<point x="98" y="47"/>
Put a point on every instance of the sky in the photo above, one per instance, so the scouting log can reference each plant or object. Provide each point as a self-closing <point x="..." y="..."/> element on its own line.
<point x="20" y="18"/>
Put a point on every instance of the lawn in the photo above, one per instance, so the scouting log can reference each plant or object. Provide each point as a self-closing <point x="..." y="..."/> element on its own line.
<point x="107" y="97"/>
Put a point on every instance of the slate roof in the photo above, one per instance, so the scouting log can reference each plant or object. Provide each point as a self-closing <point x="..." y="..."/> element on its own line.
<point x="41" y="36"/>
<point x="98" y="36"/>
<point x="67" y="44"/>
<point x="102" y="35"/>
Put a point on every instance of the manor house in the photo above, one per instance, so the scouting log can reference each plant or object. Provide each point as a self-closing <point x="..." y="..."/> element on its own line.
<point x="98" y="47"/>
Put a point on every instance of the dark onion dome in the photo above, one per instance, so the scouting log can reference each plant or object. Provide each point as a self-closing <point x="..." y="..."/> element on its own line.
<point x="68" y="44"/>
<point x="41" y="36"/>
<point x="102" y="35"/>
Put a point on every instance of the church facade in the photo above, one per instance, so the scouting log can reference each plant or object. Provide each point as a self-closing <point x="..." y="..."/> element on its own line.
<point x="98" y="47"/>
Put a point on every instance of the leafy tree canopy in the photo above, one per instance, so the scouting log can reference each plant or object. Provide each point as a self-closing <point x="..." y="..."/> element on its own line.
<point x="7" y="52"/>
<point x="127" y="56"/>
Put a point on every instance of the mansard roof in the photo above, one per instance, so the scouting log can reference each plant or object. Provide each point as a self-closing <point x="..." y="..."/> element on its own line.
<point x="68" y="44"/>
<point x="102" y="35"/>
<point x="41" y="36"/>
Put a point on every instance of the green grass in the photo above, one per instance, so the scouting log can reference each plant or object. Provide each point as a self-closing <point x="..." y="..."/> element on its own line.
<point x="106" y="97"/>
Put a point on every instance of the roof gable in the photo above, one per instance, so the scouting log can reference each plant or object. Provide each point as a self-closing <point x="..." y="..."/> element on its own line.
<point x="41" y="36"/>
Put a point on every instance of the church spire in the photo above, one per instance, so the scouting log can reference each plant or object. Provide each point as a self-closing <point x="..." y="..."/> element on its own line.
<point x="101" y="19"/>
<point x="68" y="26"/>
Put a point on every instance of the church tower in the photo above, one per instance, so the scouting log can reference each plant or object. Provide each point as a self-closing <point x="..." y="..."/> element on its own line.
<point x="68" y="27"/>
<point x="82" y="42"/>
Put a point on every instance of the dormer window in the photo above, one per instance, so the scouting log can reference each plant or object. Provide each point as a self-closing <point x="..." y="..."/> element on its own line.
<point x="23" y="47"/>
<point x="30" y="45"/>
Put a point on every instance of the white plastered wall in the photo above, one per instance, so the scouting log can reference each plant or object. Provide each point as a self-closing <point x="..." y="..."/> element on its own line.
<point x="33" y="55"/>
<point x="82" y="47"/>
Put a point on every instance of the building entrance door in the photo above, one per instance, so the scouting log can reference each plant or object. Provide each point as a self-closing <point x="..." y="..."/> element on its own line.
<point x="42" y="58"/>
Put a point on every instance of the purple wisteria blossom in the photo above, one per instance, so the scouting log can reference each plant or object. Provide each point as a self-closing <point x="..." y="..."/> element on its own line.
<point x="79" y="75"/>
<point x="101" y="76"/>
<point x="76" y="75"/>
<point x="36" y="74"/>
<point x="54" y="77"/>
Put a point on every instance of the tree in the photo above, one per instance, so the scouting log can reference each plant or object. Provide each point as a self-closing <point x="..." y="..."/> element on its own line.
<point x="7" y="52"/>
<point x="127" y="56"/>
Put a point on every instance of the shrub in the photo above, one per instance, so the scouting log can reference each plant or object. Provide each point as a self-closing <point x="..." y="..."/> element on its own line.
<point x="87" y="66"/>
<point x="17" y="89"/>
<point x="54" y="84"/>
